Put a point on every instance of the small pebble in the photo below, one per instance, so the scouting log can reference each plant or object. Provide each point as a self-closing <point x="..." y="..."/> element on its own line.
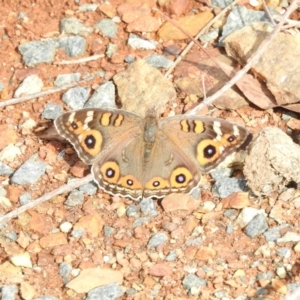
<point x="52" y="111"/>
<point x="103" y="97"/>
<point x="107" y="28"/>
<point x="65" y="227"/>
<point x="29" y="172"/>
<point x="75" y="198"/>
<point x="73" y="26"/>
<point x="64" y="79"/>
<point x="107" y="292"/>
<point x="30" y="85"/>
<point x="75" y="98"/>
<point x="256" y="226"/>
<point x="157" y="239"/>
<point x="73" y="45"/>
<point x="135" y="42"/>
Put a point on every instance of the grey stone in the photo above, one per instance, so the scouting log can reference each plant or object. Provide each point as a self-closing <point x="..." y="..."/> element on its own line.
<point x="210" y="36"/>
<point x="231" y="213"/>
<point x="46" y="298"/>
<point x="106" y="292"/>
<point x="171" y="256"/>
<point x="73" y="45"/>
<point x="8" y="292"/>
<point x="1" y="86"/>
<point x="131" y="291"/>
<point x="78" y="233"/>
<point x="284" y="252"/>
<point x="191" y="281"/>
<point x="133" y="211"/>
<point x="5" y="170"/>
<point x="262" y="291"/>
<point x="25" y="198"/>
<point x="221" y="3"/>
<point x="148" y="207"/>
<point x="52" y="111"/>
<point x="239" y="17"/>
<point x="76" y="97"/>
<point x="89" y="188"/>
<point x="157" y="239"/>
<point x="135" y="42"/>
<point x="268" y="275"/>
<point x="292" y="287"/>
<point x="229" y="228"/>
<point x="220" y="294"/>
<point x="111" y="49"/>
<point x="159" y="61"/>
<point x="65" y="269"/>
<point x="129" y="59"/>
<point x="194" y="242"/>
<point x="103" y="97"/>
<point x="107" y="27"/>
<point x="140" y="222"/>
<point x="29" y="172"/>
<point x="87" y="7"/>
<point x="108" y="231"/>
<point x="227" y="186"/>
<point x="74" y="26"/>
<point x="12" y="235"/>
<point x="75" y="198"/>
<point x="272" y="234"/>
<point x="256" y="226"/>
<point x="219" y="174"/>
<point x="64" y="79"/>
<point x="37" y="52"/>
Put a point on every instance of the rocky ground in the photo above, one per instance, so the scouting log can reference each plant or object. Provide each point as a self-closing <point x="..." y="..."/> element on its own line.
<point x="230" y="242"/>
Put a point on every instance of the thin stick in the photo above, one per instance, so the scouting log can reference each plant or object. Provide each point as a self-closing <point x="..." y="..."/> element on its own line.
<point x="255" y="57"/>
<point x="80" y="60"/>
<point x="44" y="93"/>
<point x="268" y="13"/>
<point x="62" y="189"/>
<point x="204" y="29"/>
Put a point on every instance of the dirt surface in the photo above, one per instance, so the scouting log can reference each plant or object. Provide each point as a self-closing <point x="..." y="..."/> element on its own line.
<point x="230" y="262"/>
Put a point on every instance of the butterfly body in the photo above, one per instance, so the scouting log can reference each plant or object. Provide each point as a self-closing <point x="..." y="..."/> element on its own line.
<point x="145" y="157"/>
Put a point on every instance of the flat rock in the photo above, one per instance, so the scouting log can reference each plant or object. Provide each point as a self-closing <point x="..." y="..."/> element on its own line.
<point x="192" y="24"/>
<point x="53" y="240"/>
<point x="280" y="75"/>
<point x="92" y="224"/>
<point x="91" y="278"/>
<point x="142" y="87"/>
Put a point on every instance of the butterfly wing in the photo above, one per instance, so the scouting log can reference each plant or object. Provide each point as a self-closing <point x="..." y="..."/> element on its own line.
<point x="93" y="132"/>
<point x="206" y="141"/>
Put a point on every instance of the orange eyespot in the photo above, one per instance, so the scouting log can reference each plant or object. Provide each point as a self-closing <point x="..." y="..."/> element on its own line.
<point x="180" y="177"/>
<point x="110" y="172"/>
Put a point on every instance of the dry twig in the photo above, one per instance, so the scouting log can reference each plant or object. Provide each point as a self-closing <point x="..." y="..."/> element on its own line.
<point x="62" y="189"/>
<point x="80" y="60"/>
<point x="42" y="94"/>
<point x="202" y="31"/>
